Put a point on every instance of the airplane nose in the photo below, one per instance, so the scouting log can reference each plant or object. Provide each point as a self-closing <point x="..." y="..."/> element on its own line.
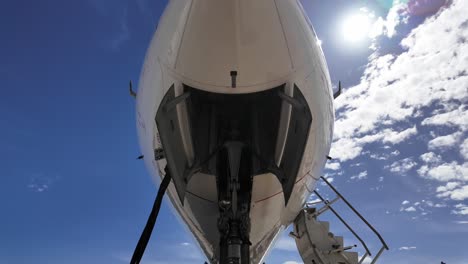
<point x="231" y="43"/>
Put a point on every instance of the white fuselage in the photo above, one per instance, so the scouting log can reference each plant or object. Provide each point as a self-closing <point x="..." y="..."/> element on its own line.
<point x="269" y="43"/>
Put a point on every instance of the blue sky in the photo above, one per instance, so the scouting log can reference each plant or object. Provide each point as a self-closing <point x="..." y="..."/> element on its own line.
<point x="72" y="191"/>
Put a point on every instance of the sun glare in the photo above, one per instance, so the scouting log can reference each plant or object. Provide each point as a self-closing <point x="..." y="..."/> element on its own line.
<point x="356" y="27"/>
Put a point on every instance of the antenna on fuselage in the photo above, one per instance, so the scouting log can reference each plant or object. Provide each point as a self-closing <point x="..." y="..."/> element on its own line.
<point x="338" y="93"/>
<point x="130" y="88"/>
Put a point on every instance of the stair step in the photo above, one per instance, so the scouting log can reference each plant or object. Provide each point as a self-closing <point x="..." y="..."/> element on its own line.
<point x="343" y="258"/>
<point x="352" y="256"/>
<point x="319" y="244"/>
<point x="325" y="224"/>
<point x="339" y="240"/>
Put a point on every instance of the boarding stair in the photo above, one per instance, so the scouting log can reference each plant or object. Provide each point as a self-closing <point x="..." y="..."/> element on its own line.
<point x="317" y="245"/>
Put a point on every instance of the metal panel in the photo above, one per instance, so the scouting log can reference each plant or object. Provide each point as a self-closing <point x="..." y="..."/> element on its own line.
<point x="299" y="126"/>
<point x="171" y="139"/>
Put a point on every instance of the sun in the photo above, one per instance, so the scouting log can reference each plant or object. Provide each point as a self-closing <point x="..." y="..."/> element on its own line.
<point x="356" y="27"/>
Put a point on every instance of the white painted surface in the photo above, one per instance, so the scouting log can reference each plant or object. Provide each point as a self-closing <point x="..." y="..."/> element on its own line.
<point x="269" y="43"/>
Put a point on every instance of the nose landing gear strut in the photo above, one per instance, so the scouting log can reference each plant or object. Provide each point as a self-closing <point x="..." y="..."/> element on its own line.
<point x="234" y="188"/>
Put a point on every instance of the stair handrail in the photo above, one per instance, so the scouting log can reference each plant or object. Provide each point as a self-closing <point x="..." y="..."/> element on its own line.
<point x="346" y="224"/>
<point x="378" y="254"/>
<point x="357" y="213"/>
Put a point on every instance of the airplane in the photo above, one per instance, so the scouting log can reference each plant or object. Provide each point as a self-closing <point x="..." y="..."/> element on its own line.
<point x="235" y="119"/>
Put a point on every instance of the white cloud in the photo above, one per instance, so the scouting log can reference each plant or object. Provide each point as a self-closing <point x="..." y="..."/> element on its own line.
<point x="431" y="157"/>
<point x="41" y="183"/>
<point x="445" y="141"/>
<point x="448" y="187"/>
<point x="394" y="137"/>
<point x="329" y="178"/>
<point x="426" y="85"/>
<point x="461" y="222"/>
<point x="455" y="118"/>
<point x="445" y="172"/>
<point x="424" y="207"/>
<point x="429" y="203"/>
<point x="403" y="166"/>
<point x="332" y="165"/>
<point x="350" y="148"/>
<point x="345" y="149"/>
<point x="38" y="187"/>
<point x="387" y="26"/>
<point x="377" y="28"/>
<point x="360" y="176"/>
<point x="378" y="157"/>
<point x="407" y="248"/>
<point x="464" y="149"/>
<point x="431" y="73"/>
<point x="460" y="209"/>
<point x="458" y="194"/>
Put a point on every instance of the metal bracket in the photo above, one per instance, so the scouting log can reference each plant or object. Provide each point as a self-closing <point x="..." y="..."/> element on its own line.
<point x="233" y="79"/>
<point x="175" y="101"/>
<point x="325" y="207"/>
<point x="294" y="235"/>
<point x="159" y="154"/>
<point x="290" y="100"/>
